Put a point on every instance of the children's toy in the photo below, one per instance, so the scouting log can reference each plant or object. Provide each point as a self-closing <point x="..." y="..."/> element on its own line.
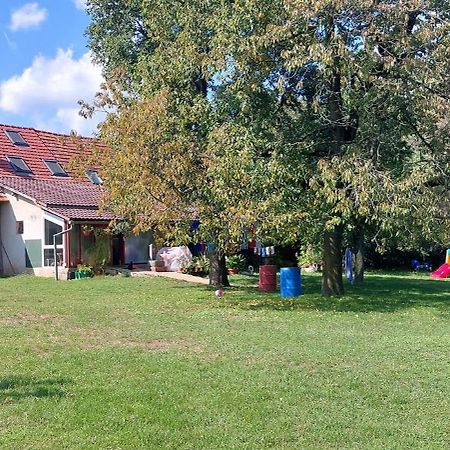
<point x="444" y="270"/>
<point x="219" y="293"/>
<point x="418" y="266"/>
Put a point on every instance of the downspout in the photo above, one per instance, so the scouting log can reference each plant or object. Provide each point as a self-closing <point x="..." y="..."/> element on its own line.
<point x="55" y="249"/>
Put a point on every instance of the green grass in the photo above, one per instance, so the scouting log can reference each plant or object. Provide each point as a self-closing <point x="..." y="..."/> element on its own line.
<point x="113" y="363"/>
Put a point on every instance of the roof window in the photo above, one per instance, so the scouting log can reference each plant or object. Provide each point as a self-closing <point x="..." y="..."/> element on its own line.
<point x="18" y="164"/>
<point x="93" y="176"/>
<point x="16" y="138"/>
<point x="55" y="168"/>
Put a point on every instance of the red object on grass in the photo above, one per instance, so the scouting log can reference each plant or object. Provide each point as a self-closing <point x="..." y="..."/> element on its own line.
<point x="268" y="278"/>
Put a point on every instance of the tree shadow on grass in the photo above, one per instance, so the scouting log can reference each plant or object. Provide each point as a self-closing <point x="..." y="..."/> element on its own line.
<point x="377" y="294"/>
<point x="16" y="387"/>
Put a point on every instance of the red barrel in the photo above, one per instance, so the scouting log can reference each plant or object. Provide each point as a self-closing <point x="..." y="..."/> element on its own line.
<point x="267" y="278"/>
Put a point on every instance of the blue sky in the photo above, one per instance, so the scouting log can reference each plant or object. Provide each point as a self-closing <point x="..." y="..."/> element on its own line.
<point x="46" y="67"/>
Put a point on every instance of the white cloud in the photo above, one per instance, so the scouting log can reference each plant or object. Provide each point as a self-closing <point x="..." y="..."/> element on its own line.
<point x="49" y="90"/>
<point x="30" y="15"/>
<point x="80" y="4"/>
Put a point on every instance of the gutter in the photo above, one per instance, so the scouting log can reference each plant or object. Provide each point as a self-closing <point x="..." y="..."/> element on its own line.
<point x="16" y="192"/>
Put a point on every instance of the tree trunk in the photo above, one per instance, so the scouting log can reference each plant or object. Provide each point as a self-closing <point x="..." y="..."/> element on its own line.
<point x="332" y="282"/>
<point x="359" y="254"/>
<point x="218" y="273"/>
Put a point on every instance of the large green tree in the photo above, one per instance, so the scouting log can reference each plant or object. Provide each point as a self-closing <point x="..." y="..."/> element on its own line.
<point x="172" y="156"/>
<point x="362" y="91"/>
<point x="335" y="108"/>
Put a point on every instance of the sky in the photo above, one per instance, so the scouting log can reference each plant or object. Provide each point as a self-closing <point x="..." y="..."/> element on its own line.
<point x="46" y="67"/>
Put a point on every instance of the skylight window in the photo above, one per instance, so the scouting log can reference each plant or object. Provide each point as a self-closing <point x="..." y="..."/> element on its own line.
<point x="16" y="138"/>
<point x="18" y="164"/>
<point x="93" y="176"/>
<point x="55" y="168"/>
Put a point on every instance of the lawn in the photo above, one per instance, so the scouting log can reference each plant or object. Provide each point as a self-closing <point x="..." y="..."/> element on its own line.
<point x="129" y="363"/>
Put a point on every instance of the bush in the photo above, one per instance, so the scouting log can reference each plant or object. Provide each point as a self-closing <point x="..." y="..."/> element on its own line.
<point x="198" y="265"/>
<point x="236" y="262"/>
<point x="310" y="256"/>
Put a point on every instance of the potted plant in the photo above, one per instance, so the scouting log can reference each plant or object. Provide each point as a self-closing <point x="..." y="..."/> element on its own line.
<point x="86" y="230"/>
<point x="199" y="266"/>
<point x="83" y="271"/>
<point x="235" y="264"/>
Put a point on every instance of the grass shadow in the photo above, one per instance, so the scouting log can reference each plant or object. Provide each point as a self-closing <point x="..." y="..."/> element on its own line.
<point x="17" y="387"/>
<point x="379" y="293"/>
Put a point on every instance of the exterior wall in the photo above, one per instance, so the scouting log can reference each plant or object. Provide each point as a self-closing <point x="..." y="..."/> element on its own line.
<point x="13" y="245"/>
<point x="136" y="248"/>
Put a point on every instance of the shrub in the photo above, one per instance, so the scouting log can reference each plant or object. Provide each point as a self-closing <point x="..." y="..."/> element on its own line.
<point x="236" y="262"/>
<point x="198" y="265"/>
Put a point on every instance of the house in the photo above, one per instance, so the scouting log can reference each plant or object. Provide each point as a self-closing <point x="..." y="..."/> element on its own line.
<point x="40" y="197"/>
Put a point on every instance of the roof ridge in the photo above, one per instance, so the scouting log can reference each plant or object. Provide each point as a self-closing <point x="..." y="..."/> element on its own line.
<point x="20" y="127"/>
<point x="42" y="180"/>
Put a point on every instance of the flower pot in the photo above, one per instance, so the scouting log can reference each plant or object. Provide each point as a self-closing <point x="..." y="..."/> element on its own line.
<point x="233" y="271"/>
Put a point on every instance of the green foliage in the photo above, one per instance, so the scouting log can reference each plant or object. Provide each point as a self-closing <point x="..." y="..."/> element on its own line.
<point x="305" y="118"/>
<point x="98" y="253"/>
<point x="85" y="268"/>
<point x="199" y="265"/>
<point x="236" y="262"/>
<point x="310" y="256"/>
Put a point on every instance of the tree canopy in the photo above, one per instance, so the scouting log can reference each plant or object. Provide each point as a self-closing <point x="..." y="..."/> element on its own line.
<point x="312" y="119"/>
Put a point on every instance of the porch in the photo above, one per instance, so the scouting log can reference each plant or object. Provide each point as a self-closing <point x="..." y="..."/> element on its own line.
<point x="90" y="243"/>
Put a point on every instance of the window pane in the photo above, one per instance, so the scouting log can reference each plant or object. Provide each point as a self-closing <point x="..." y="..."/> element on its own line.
<point x="55" y="168"/>
<point x="16" y="138"/>
<point x="94" y="177"/>
<point x="51" y="229"/>
<point x="18" y="164"/>
<point x="49" y="257"/>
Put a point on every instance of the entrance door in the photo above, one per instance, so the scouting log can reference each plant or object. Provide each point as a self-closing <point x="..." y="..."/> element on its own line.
<point x="117" y="250"/>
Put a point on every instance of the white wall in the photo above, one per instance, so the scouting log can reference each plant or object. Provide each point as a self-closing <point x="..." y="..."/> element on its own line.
<point x="13" y="244"/>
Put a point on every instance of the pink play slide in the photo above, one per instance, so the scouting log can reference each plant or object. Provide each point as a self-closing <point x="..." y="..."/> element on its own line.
<point x="442" y="272"/>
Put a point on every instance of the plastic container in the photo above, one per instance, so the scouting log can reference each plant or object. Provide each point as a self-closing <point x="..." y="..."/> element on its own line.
<point x="267" y="278"/>
<point x="290" y="282"/>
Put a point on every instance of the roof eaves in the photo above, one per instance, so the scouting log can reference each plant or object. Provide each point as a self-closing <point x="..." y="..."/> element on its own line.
<point x="17" y="192"/>
<point x="45" y="208"/>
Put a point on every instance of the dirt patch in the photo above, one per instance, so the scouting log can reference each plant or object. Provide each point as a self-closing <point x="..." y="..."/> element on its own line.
<point x="31" y="317"/>
<point x="157" y="345"/>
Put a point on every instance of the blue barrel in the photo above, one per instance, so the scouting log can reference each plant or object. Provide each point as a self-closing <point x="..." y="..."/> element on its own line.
<point x="290" y="282"/>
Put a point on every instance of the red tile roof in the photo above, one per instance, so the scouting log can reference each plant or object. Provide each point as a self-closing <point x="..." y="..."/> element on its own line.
<point x="82" y="214"/>
<point x="42" y="145"/>
<point x="69" y="197"/>
<point x="51" y="192"/>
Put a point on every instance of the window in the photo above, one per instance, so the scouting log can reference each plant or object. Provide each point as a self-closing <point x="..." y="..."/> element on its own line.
<point x="55" y="168"/>
<point x="16" y="138"/>
<point x="49" y="257"/>
<point x="18" y="164"/>
<point x="93" y="176"/>
<point x="19" y="227"/>
<point x="51" y="228"/>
